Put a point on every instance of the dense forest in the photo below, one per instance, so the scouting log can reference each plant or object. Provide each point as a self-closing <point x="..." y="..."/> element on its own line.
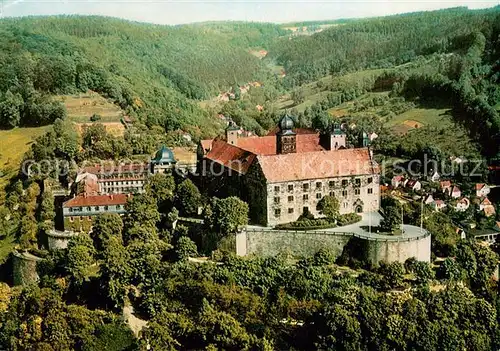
<point x="153" y="72"/>
<point x="380" y="42"/>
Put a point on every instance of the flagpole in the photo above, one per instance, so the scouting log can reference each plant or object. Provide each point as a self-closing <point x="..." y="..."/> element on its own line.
<point x="422" y="216"/>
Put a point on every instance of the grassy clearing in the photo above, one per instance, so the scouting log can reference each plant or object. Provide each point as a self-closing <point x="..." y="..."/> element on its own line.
<point x="81" y="107"/>
<point x="14" y="143"/>
<point x="116" y="129"/>
<point x="421" y="117"/>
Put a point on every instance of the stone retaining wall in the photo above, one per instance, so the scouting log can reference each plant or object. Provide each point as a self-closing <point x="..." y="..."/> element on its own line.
<point x="269" y="242"/>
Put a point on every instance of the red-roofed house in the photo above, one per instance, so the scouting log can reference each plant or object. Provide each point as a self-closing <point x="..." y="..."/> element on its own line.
<point x="396" y="181"/>
<point x="462" y="204"/>
<point x="286" y="174"/>
<point x="438" y="205"/>
<point x="486" y="206"/>
<point x="482" y="190"/>
<point x="455" y="192"/>
<point x="413" y="184"/>
<point x="445" y="186"/>
<point x="79" y="210"/>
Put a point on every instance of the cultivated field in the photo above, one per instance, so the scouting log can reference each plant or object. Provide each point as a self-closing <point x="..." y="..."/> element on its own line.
<point x="116" y="129"/>
<point x="81" y="107"/>
<point x="419" y="117"/>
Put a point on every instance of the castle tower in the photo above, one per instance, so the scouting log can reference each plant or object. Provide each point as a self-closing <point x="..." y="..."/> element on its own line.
<point x="338" y="138"/>
<point x="286" y="141"/>
<point x="164" y="161"/>
<point x="232" y="133"/>
<point x="365" y="140"/>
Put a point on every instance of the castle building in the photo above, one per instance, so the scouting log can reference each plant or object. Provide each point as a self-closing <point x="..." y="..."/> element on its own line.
<point x="286" y="173"/>
<point x="106" y="188"/>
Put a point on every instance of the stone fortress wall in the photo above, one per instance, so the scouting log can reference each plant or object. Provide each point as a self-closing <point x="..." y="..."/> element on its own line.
<point x="269" y="242"/>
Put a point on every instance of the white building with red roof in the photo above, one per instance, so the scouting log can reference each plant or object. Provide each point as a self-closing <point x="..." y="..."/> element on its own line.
<point x="79" y="210"/>
<point x="286" y="173"/>
<point x="487" y="207"/>
<point x="455" y="192"/>
<point x="439" y="205"/>
<point x="462" y="205"/>
<point x="482" y="190"/>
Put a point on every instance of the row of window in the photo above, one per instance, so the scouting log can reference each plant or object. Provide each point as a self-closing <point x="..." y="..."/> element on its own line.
<point x="121" y="190"/>
<point x="277" y="212"/>
<point x="305" y="197"/>
<point x="123" y="175"/>
<point x="319" y="185"/>
<point x="71" y="219"/>
<point x="131" y="182"/>
<point x="95" y="208"/>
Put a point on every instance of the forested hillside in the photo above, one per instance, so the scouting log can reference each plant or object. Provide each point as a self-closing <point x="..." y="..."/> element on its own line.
<point x="380" y="42"/>
<point x="150" y="71"/>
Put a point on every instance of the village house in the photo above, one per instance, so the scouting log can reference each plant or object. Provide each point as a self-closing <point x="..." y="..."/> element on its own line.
<point x="434" y="177"/>
<point x="455" y="192"/>
<point x="438" y="205"/>
<point x="396" y="181"/>
<point x="445" y="186"/>
<point x="487" y="207"/>
<point x="79" y="210"/>
<point x="482" y="190"/>
<point x="286" y="173"/>
<point x="106" y="188"/>
<point x="429" y="200"/>
<point x="462" y="205"/>
<point x="413" y="184"/>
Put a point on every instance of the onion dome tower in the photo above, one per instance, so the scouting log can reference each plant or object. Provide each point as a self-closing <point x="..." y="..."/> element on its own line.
<point x="286" y="139"/>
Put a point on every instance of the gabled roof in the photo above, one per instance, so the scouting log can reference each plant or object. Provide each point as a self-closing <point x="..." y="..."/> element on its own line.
<point x="486" y="202"/>
<point x="267" y="145"/>
<point x="231" y="156"/>
<point x="412" y="182"/>
<point x="480" y="186"/>
<point x="445" y="184"/>
<point x="97" y="200"/>
<point x="206" y="145"/>
<point x="455" y="189"/>
<point x="317" y="165"/>
<point x="464" y="200"/>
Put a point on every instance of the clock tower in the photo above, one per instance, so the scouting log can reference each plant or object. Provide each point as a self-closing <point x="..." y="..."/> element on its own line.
<point x="286" y="142"/>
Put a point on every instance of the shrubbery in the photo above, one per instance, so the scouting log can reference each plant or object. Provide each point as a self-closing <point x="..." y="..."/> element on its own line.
<point x="307" y="223"/>
<point x="349" y="218"/>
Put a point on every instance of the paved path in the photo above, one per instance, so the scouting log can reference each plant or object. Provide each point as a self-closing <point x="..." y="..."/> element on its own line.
<point x="369" y="221"/>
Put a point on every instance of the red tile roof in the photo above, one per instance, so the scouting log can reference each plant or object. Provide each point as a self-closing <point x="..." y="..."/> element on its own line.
<point x="267" y="145"/>
<point x="97" y="200"/>
<point x="231" y="156"/>
<point x="445" y="184"/>
<point x="479" y="186"/>
<point x="298" y="131"/>
<point x="317" y="165"/>
<point x="486" y="202"/>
